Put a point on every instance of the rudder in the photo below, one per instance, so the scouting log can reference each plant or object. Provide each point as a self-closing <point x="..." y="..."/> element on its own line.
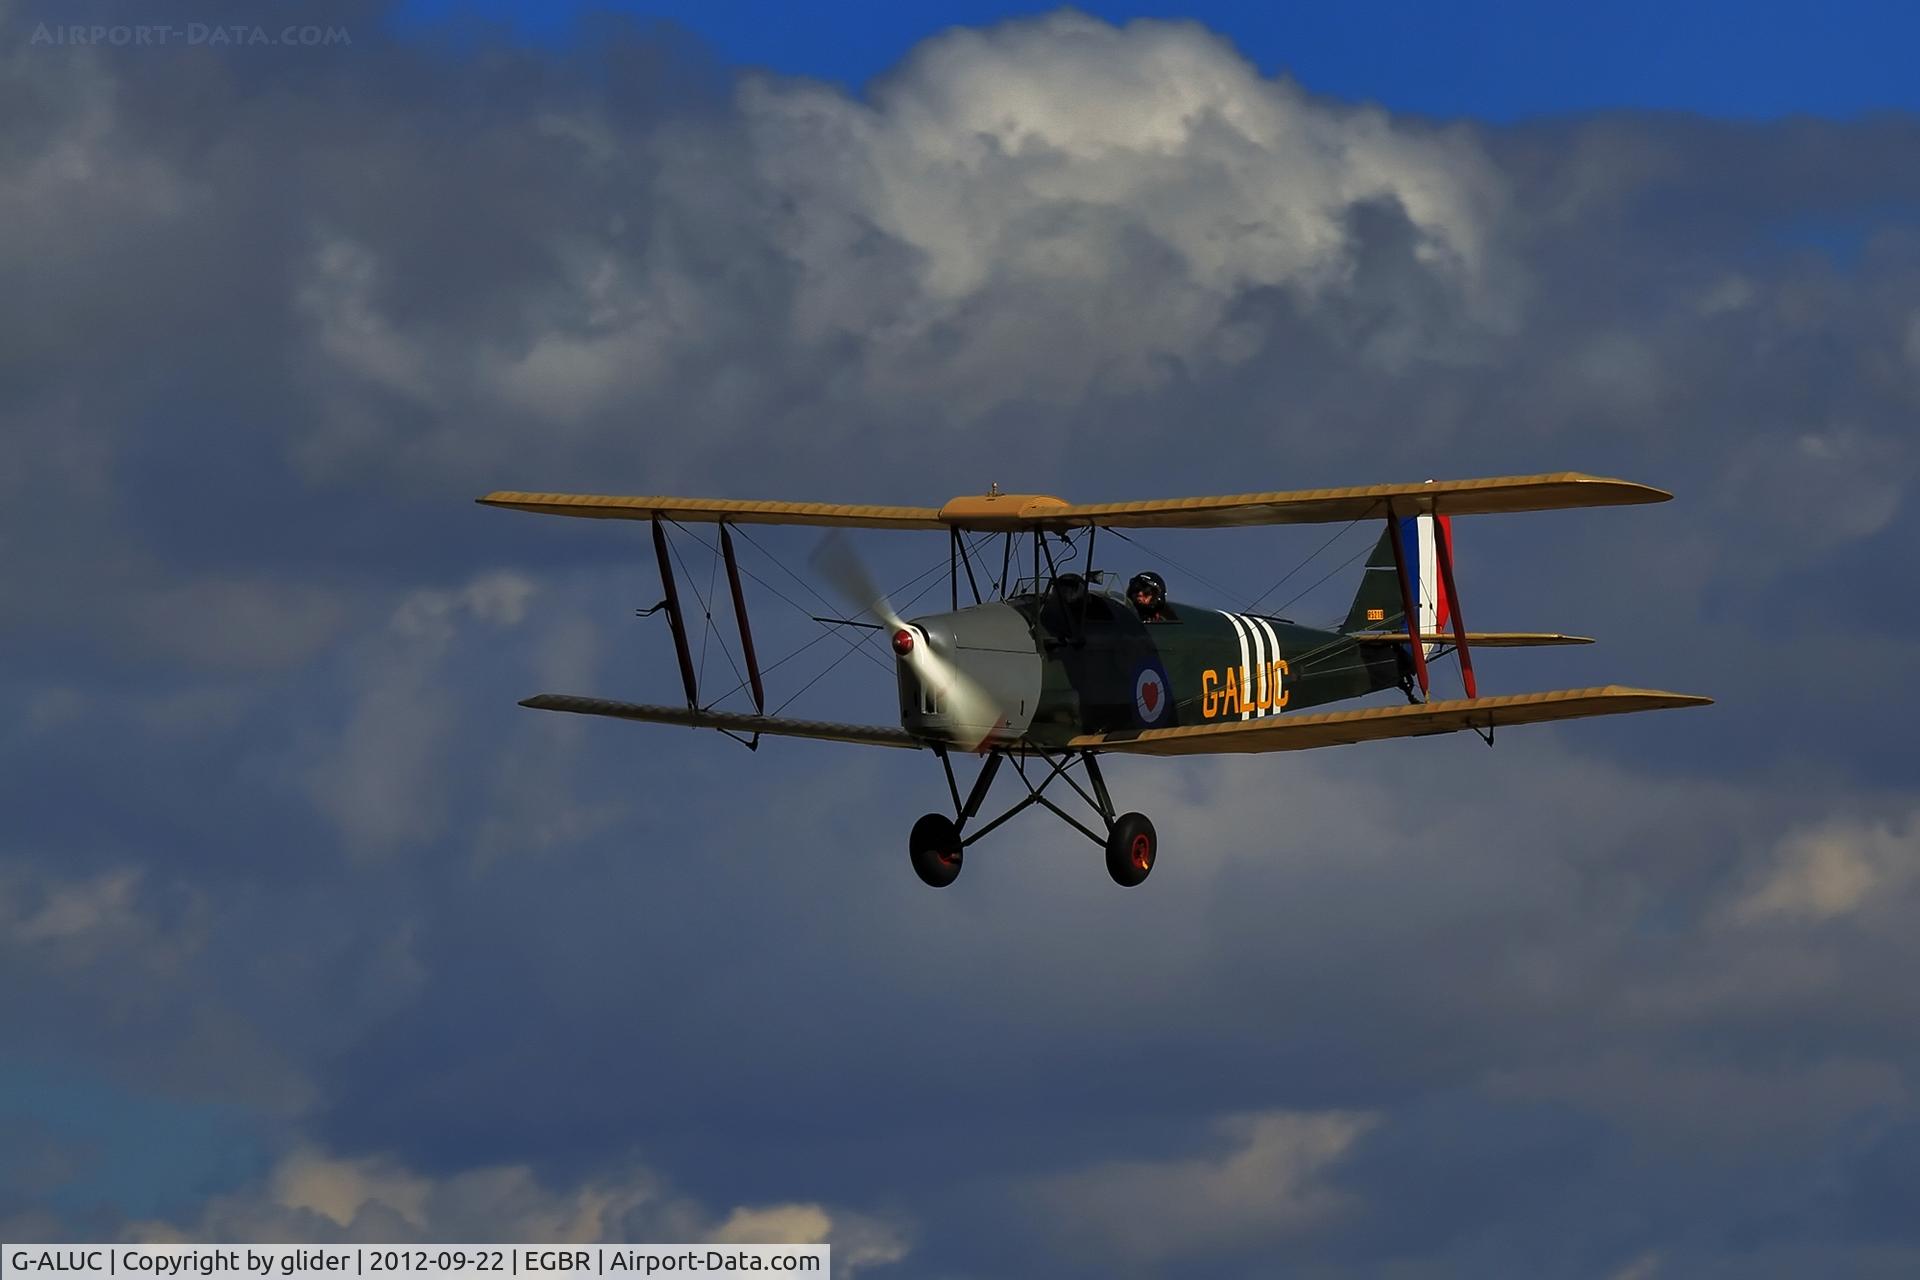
<point x="1377" y="605"/>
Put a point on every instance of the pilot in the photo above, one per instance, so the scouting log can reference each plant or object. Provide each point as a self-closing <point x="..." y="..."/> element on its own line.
<point x="1149" y="596"/>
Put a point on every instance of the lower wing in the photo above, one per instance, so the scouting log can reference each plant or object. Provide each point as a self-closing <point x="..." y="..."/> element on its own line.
<point x="1477" y="639"/>
<point x="774" y="726"/>
<point x="1334" y="728"/>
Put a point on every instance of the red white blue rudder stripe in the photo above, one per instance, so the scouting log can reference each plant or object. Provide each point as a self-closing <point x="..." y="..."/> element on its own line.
<point x="1421" y="554"/>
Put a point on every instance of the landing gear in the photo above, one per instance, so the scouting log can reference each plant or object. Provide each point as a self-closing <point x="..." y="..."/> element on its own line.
<point x="1131" y="848"/>
<point x="937" y="845"/>
<point x="936" y="850"/>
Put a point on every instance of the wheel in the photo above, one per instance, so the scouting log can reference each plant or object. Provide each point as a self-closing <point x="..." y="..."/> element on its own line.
<point x="1131" y="849"/>
<point x="935" y="849"/>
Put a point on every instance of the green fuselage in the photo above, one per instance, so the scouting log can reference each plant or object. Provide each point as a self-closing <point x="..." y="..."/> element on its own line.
<point x="1061" y="667"/>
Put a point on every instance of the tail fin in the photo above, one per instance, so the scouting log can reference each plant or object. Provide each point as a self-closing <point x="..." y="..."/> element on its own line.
<point x="1377" y="607"/>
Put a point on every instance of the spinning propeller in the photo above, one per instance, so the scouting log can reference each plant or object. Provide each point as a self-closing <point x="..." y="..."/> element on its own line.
<point x="966" y="702"/>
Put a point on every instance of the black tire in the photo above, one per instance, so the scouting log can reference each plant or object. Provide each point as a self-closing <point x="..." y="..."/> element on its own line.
<point x="935" y="849"/>
<point x="1131" y="849"/>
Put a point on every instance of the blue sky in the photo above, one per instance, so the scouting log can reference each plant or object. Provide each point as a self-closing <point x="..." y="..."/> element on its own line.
<point x="308" y="931"/>
<point x="1486" y="59"/>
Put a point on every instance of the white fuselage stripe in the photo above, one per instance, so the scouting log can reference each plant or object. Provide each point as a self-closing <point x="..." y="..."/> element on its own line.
<point x="1257" y="678"/>
<point x="1240" y="629"/>
<point x="1273" y="658"/>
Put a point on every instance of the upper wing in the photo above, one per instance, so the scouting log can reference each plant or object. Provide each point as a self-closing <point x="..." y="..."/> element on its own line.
<point x="1026" y="511"/>
<point x="713" y="510"/>
<point x="1297" y="732"/>
<point x="1311" y="506"/>
<point x="865" y="735"/>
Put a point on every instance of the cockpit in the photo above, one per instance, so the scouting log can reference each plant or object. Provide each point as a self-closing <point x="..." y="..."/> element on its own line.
<point x="1067" y="605"/>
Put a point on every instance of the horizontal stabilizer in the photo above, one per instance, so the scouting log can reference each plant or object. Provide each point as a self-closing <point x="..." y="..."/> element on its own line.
<point x="774" y="726"/>
<point x="1478" y="639"/>
<point x="1335" y="728"/>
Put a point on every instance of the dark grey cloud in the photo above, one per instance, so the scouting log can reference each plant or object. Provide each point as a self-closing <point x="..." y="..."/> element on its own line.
<point x="1619" y="999"/>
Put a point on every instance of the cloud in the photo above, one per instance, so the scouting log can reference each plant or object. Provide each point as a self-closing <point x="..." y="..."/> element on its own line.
<point x="242" y="625"/>
<point x="73" y="910"/>
<point x="1823" y="488"/>
<point x="90" y="920"/>
<point x="857" y="1242"/>
<point x="1119" y="187"/>
<point x="1678" y="1105"/>
<point x="1138" y="198"/>
<point x="383" y="782"/>
<point x="499" y="598"/>
<point x="1833" y="870"/>
<point x="338" y="1190"/>
<point x="309" y="1194"/>
<point x="1269" y="1184"/>
<point x="1644" y="1267"/>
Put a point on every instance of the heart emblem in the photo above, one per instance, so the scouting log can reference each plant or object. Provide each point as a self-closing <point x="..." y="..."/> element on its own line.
<point x="1150" y="694"/>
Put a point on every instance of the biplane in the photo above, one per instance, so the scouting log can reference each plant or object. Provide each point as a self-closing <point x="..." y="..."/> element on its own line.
<point x="1051" y="669"/>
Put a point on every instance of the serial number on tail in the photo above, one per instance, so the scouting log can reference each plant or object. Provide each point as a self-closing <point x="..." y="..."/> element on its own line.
<point x="1244" y="690"/>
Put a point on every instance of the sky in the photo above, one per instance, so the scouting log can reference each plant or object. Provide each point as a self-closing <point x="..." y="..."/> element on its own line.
<point x="1488" y="59"/>
<point x="307" y="931"/>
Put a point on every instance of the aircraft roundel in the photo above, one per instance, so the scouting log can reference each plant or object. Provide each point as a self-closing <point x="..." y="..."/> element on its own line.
<point x="1150" y="694"/>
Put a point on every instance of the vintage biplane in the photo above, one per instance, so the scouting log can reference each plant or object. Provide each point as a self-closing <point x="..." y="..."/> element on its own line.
<point x="1051" y="669"/>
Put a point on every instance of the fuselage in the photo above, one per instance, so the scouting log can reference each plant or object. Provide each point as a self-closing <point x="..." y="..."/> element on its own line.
<point x="1065" y="663"/>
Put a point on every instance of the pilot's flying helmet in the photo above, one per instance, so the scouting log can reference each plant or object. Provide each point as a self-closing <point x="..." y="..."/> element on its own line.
<point x="1152" y="585"/>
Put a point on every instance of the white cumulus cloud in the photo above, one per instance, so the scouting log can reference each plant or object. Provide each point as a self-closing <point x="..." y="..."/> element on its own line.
<point x="315" y="1195"/>
<point x="1269" y="1182"/>
<point x="1833" y="870"/>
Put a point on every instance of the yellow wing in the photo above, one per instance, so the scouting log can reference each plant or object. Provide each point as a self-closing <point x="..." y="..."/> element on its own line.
<point x="1334" y="728"/>
<point x="714" y="510"/>
<point x="1476" y="639"/>
<point x="1311" y="506"/>
<point x="775" y="726"/>
<point x="1020" y="512"/>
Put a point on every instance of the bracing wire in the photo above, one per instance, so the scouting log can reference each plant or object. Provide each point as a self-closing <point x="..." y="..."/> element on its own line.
<point x="859" y="644"/>
<point x="852" y="642"/>
<point x="843" y="657"/>
<point x="1341" y="533"/>
<point x="1166" y="559"/>
<point x="706" y="610"/>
